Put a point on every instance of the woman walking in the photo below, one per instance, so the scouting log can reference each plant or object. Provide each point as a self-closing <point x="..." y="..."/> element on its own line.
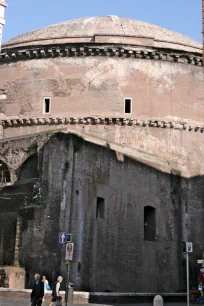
<point x="56" y="298"/>
<point x="46" y="285"/>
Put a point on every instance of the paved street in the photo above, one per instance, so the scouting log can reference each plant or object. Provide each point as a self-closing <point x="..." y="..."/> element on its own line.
<point x="27" y="303"/>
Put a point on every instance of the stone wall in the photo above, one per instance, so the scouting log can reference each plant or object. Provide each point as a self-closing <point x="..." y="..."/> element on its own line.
<point x="110" y="253"/>
<point x="97" y="86"/>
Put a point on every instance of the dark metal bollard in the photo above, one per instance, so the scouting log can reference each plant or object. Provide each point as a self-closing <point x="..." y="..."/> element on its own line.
<point x="70" y="293"/>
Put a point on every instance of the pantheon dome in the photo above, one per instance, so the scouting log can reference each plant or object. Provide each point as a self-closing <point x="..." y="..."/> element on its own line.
<point x="108" y="29"/>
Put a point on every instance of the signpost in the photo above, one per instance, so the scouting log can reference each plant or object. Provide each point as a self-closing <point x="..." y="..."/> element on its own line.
<point x="187" y="248"/>
<point x="68" y="257"/>
<point x="69" y="237"/>
<point x="69" y="251"/>
<point x="63" y="238"/>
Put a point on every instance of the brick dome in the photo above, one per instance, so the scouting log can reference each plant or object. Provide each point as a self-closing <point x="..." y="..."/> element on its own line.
<point x="108" y="29"/>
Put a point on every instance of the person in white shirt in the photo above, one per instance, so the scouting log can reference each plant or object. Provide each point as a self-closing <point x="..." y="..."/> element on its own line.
<point x="56" y="291"/>
<point x="46" y="285"/>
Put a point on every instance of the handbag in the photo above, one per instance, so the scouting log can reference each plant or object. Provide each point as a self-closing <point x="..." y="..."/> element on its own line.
<point x="48" y="287"/>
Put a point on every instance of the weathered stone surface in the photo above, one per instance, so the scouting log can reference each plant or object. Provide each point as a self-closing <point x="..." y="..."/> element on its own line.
<point x="16" y="277"/>
<point x="96" y="87"/>
<point x="149" y="157"/>
<point x="73" y="174"/>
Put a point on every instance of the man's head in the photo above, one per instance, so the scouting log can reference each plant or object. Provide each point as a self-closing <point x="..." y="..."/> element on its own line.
<point x="37" y="277"/>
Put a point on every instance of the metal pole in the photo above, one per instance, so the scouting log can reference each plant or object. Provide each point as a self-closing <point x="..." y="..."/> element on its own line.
<point x="187" y="273"/>
<point x="67" y="287"/>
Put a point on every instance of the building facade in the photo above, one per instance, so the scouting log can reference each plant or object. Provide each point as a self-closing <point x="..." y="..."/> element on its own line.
<point x="101" y="136"/>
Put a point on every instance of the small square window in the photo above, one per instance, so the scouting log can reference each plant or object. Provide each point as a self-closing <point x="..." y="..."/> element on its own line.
<point x="128" y="105"/>
<point x="47" y="105"/>
<point x="100" y="208"/>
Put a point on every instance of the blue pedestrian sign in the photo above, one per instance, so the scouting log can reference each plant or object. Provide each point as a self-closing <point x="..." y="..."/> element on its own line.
<point x="63" y="238"/>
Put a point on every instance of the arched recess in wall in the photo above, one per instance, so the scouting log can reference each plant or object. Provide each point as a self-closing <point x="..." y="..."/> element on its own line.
<point x="4" y="173"/>
<point x="29" y="169"/>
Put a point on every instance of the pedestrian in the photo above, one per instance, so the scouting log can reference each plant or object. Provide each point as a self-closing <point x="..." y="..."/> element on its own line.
<point x="56" y="298"/>
<point x="46" y="285"/>
<point x="37" y="292"/>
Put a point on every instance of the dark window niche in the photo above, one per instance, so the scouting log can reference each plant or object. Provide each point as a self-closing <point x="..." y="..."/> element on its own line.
<point x="149" y="223"/>
<point x="128" y="106"/>
<point x="47" y="105"/>
<point x="100" y="203"/>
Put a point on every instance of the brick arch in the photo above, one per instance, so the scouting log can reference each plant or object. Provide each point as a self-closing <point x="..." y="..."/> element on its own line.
<point x="90" y="76"/>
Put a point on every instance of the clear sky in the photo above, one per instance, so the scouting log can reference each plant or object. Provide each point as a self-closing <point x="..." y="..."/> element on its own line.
<point x="184" y="16"/>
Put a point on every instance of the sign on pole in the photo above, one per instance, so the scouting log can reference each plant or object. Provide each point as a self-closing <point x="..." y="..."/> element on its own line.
<point x="187" y="247"/>
<point x="69" y="237"/>
<point x="69" y="251"/>
<point x="63" y="238"/>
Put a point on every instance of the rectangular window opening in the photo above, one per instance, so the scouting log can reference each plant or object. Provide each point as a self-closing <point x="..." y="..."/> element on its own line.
<point x="149" y="223"/>
<point x="128" y="106"/>
<point x="47" y="105"/>
<point x="100" y="208"/>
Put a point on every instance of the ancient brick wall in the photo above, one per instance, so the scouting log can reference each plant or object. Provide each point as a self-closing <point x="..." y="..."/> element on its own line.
<point x="110" y="253"/>
<point x="97" y="86"/>
<point x="110" y="250"/>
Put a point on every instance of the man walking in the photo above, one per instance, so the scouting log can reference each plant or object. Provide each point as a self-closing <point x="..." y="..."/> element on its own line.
<point x="37" y="292"/>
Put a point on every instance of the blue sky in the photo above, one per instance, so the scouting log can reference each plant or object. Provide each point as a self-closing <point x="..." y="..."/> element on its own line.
<point x="182" y="16"/>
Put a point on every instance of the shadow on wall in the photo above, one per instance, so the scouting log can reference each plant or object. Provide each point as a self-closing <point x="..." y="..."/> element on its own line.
<point x="29" y="169"/>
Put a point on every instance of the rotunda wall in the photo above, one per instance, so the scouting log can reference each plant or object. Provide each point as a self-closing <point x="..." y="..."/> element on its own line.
<point x="97" y="86"/>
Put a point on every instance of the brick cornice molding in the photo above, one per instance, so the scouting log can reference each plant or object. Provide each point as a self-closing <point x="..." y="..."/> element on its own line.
<point x="12" y="55"/>
<point x="63" y="121"/>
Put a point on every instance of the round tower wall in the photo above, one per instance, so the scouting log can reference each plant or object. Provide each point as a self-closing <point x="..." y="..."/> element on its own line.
<point x="98" y="86"/>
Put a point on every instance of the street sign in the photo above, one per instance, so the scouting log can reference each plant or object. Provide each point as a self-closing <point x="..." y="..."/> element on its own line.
<point x="69" y="237"/>
<point x="201" y="261"/>
<point x="63" y="238"/>
<point x="69" y="251"/>
<point x="187" y="247"/>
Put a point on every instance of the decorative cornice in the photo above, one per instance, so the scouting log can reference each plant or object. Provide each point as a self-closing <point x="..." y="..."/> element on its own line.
<point x="57" y="121"/>
<point x="12" y="55"/>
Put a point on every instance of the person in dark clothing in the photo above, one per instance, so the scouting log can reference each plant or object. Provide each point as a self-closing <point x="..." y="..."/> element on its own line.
<point x="37" y="292"/>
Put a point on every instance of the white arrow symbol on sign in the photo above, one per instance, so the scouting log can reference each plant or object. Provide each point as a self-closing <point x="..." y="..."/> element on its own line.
<point x="63" y="237"/>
